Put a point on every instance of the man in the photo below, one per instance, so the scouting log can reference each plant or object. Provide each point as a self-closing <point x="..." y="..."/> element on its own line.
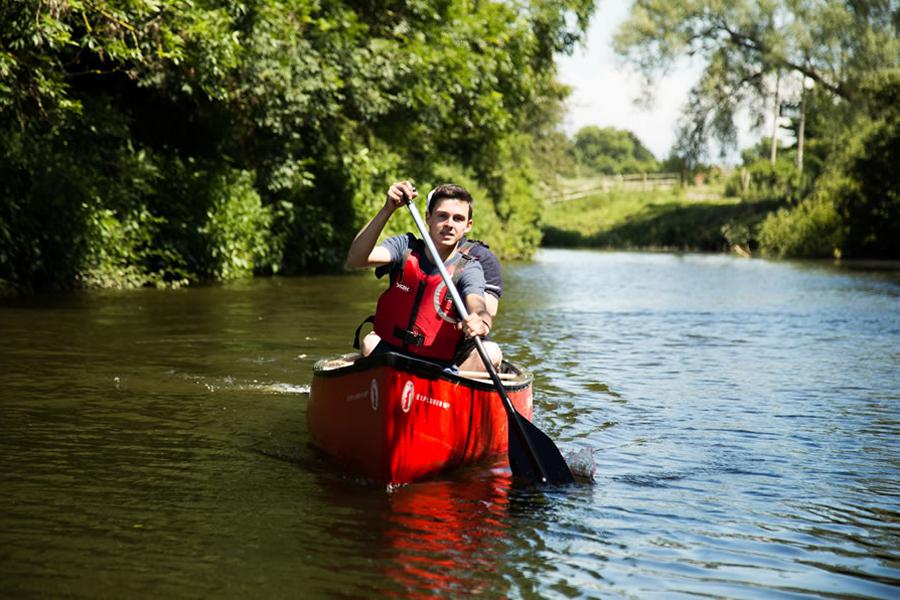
<point x="415" y="315"/>
<point x="493" y="288"/>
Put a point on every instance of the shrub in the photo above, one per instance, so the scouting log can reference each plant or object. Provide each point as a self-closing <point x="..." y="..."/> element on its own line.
<point x="236" y="228"/>
<point x="761" y="180"/>
<point x="813" y="229"/>
<point x="120" y="252"/>
<point x="870" y="207"/>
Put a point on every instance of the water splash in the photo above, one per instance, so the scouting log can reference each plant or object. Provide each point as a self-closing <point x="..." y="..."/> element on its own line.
<point x="581" y="463"/>
<point x="230" y="384"/>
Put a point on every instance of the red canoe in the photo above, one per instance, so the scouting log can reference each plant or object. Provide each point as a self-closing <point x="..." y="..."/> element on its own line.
<point x="395" y="419"/>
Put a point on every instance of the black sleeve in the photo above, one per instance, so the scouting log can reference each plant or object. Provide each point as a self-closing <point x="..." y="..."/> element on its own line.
<point x="493" y="280"/>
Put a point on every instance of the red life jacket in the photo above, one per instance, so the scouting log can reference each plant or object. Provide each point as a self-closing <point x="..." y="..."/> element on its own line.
<point x="416" y="313"/>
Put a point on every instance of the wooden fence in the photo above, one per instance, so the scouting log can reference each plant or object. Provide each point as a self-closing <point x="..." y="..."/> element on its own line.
<point x="606" y="183"/>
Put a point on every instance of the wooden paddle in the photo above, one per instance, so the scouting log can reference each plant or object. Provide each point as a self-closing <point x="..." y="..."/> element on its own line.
<point x="532" y="454"/>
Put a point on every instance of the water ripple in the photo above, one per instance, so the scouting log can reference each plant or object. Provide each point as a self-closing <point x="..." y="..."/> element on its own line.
<point x="742" y="416"/>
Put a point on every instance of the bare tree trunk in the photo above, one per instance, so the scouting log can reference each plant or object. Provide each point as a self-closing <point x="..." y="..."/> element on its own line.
<point x="801" y="128"/>
<point x="775" y="113"/>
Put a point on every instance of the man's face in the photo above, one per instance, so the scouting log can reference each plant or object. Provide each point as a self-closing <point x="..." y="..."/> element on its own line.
<point x="447" y="222"/>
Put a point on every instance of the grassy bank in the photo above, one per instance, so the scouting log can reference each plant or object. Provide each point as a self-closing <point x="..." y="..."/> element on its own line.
<point x="695" y="218"/>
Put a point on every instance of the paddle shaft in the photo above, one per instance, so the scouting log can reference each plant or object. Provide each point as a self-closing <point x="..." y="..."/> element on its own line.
<point x="488" y="365"/>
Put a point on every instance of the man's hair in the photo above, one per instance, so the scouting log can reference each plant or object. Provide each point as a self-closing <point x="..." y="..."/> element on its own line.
<point x="449" y="191"/>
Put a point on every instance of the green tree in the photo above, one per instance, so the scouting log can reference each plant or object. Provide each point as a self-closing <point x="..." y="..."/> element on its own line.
<point x="841" y="59"/>
<point x="744" y="44"/>
<point x="611" y="151"/>
<point x="217" y="139"/>
<point x="854" y="207"/>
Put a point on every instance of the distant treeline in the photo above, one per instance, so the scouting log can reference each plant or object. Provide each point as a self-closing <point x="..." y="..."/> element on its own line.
<point x="608" y="151"/>
<point x="159" y="143"/>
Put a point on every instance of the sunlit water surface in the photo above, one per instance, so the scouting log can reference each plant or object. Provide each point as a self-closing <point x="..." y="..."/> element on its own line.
<point x="743" y="417"/>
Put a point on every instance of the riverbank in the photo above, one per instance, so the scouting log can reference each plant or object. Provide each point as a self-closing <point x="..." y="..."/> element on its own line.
<point x="695" y="218"/>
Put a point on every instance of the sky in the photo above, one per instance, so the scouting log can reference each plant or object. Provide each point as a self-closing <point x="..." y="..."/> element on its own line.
<point x="604" y="90"/>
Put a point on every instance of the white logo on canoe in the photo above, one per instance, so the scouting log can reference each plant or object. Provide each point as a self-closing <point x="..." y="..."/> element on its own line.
<point x="406" y="400"/>
<point x="373" y="393"/>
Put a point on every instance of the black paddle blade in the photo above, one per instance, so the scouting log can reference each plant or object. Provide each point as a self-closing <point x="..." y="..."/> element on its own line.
<point x="549" y="455"/>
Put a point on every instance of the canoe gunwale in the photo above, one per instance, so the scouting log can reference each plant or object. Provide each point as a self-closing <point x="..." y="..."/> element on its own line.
<point x="419" y="368"/>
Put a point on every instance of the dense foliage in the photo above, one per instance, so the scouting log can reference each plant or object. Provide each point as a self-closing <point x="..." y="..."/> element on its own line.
<point x="168" y="141"/>
<point x="853" y="209"/>
<point x="837" y="63"/>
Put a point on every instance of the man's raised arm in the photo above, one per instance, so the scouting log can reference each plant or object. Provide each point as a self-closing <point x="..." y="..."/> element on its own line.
<point x="363" y="251"/>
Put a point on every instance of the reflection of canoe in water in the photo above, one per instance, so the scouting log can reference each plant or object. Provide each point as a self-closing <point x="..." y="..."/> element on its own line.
<point x="445" y="535"/>
<point x="395" y="419"/>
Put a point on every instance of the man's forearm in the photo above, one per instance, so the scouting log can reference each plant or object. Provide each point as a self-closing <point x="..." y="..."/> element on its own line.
<point x="364" y="242"/>
<point x="492" y="303"/>
<point x="478" y="316"/>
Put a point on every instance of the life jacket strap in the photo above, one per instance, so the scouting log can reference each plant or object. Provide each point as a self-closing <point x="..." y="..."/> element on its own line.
<point x="409" y="338"/>
<point x="369" y="319"/>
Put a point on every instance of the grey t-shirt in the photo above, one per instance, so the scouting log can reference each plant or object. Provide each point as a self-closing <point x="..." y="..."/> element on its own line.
<point x="471" y="282"/>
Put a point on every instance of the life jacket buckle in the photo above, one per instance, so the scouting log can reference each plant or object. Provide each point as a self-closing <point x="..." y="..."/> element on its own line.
<point x="409" y="338"/>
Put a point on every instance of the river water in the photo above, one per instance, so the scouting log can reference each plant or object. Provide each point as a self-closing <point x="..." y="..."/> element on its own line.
<point x="743" y="416"/>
